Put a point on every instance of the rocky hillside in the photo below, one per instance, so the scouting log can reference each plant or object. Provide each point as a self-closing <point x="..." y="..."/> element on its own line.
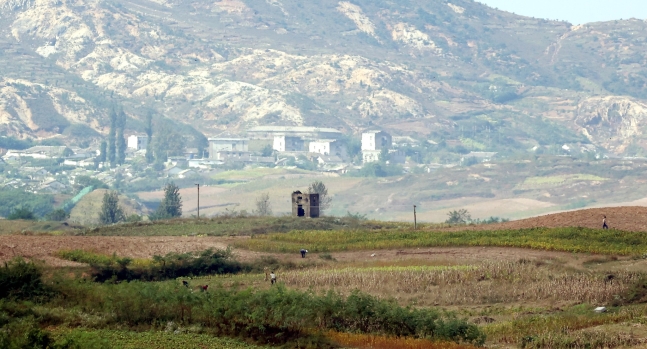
<point x="438" y="70"/>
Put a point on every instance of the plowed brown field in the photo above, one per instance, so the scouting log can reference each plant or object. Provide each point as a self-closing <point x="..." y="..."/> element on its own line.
<point x="44" y="247"/>
<point x="632" y="218"/>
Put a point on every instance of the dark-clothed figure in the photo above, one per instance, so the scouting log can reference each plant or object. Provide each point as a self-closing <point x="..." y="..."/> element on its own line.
<point x="303" y="253"/>
<point x="604" y="223"/>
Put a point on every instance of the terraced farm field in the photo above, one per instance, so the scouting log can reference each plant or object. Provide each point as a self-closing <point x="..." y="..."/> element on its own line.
<point x="363" y="284"/>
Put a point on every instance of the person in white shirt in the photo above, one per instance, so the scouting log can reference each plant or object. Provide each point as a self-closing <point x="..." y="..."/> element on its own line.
<point x="273" y="278"/>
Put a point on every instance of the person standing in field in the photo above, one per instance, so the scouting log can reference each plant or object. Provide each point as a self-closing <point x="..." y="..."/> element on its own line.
<point x="604" y="223"/>
<point x="273" y="278"/>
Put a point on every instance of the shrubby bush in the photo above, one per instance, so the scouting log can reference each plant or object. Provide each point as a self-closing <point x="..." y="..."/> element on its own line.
<point x="173" y="265"/>
<point x="26" y="333"/>
<point x="21" y="280"/>
<point x="274" y="316"/>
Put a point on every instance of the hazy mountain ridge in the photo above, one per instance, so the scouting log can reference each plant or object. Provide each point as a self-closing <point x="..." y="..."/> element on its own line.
<point x="347" y="64"/>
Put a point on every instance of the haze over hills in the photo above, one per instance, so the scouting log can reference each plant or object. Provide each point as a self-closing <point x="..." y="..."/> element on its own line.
<point x="433" y="69"/>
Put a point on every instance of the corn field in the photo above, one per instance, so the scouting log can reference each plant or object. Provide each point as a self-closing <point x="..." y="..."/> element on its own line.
<point x="490" y="282"/>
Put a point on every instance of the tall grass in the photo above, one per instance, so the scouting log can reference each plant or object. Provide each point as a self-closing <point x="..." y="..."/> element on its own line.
<point x="364" y="341"/>
<point x="540" y="330"/>
<point x="557" y="239"/>
<point x="275" y="316"/>
<point x="487" y="283"/>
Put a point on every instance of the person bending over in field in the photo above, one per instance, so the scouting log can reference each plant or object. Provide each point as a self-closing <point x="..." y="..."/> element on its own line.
<point x="202" y="288"/>
<point x="273" y="278"/>
<point x="185" y="283"/>
<point x="303" y="253"/>
<point x="604" y="223"/>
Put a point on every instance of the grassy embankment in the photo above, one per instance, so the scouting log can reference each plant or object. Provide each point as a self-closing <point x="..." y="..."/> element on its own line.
<point x="577" y="240"/>
<point x="244" y="226"/>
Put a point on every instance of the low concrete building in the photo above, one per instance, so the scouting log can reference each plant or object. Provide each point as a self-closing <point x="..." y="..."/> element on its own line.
<point x="480" y="156"/>
<point x="396" y="156"/>
<point x="303" y="132"/>
<point x="227" y="142"/>
<point x="138" y="142"/>
<point x="331" y="147"/>
<point x="369" y="156"/>
<point x="34" y="173"/>
<point x="232" y="156"/>
<point x="79" y="162"/>
<point x="52" y="186"/>
<point x="305" y="205"/>
<point x="41" y="152"/>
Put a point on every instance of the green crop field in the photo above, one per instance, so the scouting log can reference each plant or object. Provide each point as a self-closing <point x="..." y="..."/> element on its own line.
<point x="581" y="240"/>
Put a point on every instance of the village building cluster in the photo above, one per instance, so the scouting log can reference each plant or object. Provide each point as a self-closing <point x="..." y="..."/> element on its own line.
<point x="326" y="148"/>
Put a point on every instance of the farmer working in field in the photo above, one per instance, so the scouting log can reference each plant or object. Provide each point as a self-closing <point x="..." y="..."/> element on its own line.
<point x="604" y="223"/>
<point x="273" y="278"/>
<point x="303" y="253"/>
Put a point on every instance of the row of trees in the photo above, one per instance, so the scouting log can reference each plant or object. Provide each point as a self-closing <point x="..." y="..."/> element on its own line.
<point x="168" y="141"/>
<point x="114" y="151"/>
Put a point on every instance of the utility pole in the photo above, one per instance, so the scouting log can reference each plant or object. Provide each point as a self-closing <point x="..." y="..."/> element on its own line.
<point x="198" y="185"/>
<point x="415" y="220"/>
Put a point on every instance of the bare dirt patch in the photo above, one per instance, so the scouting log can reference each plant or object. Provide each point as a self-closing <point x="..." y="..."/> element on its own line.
<point x="44" y="247"/>
<point x="628" y="218"/>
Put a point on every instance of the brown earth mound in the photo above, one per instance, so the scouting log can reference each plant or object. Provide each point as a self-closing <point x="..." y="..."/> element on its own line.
<point x="632" y="218"/>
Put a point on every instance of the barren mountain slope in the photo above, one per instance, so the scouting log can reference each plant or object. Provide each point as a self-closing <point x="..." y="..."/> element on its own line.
<point x="346" y="64"/>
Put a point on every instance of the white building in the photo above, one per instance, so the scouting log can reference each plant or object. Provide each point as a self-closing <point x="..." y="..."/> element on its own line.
<point x="227" y="143"/>
<point x="288" y="143"/>
<point x="40" y="152"/>
<point x="232" y="156"/>
<point x="376" y="140"/>
<point x="480" y="156"/>
<point x="369" y="156"/>
<point x="138" y="142"/>
<point x="330" y="147"/>
<point x="372" y="144"/>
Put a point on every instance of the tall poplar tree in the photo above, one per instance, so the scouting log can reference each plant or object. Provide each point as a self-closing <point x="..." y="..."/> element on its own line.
<point x="112" y="139"/>
<point x="171" y="205"/>
<point x="121" y="139"/>
<point x="103" y="156"/>
<point x="111" y="212"/>
<point x="150" y="157"/>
